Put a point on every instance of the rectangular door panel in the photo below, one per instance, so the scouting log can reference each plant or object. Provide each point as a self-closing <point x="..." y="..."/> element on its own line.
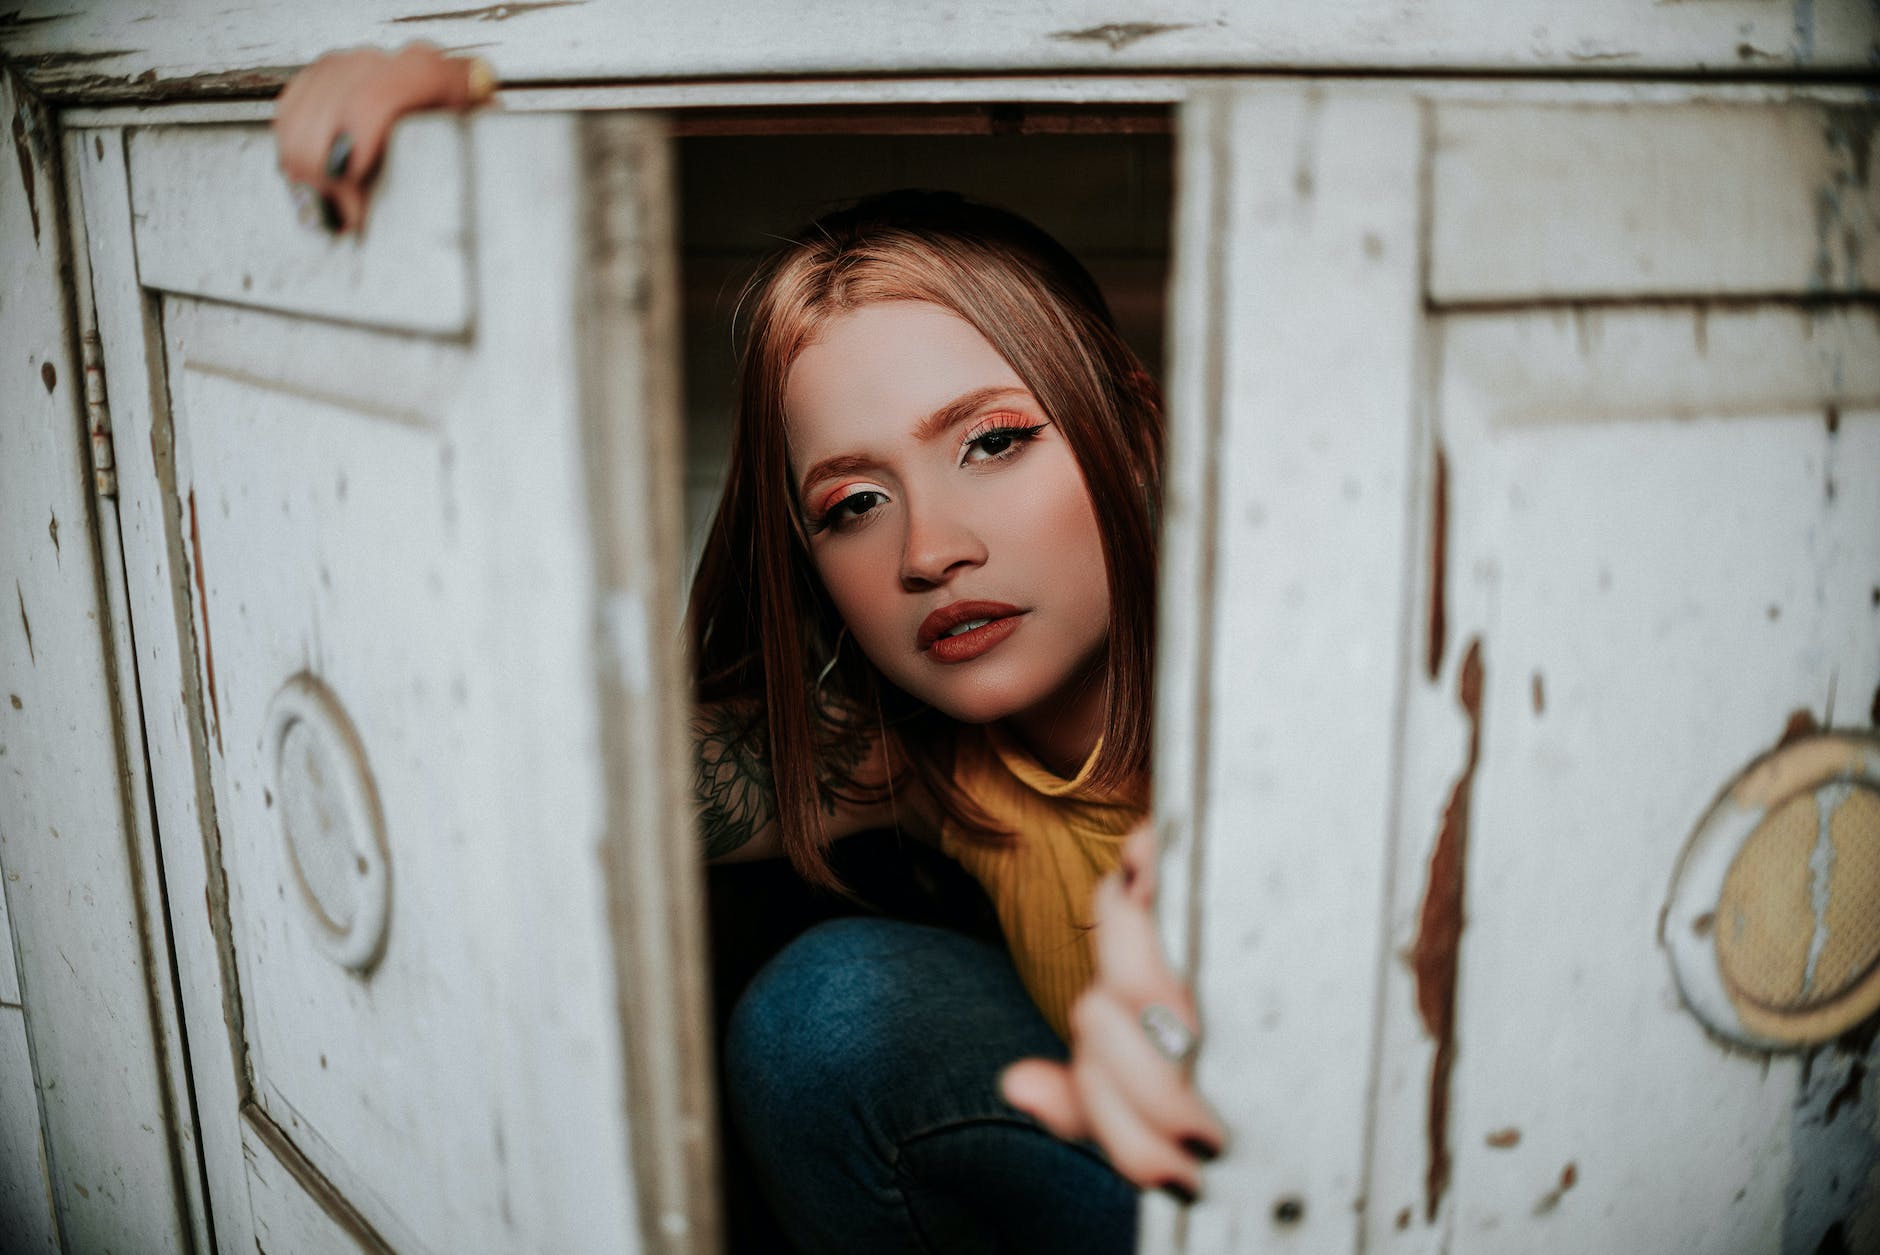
<point x="1584" y="202"/>
<point x="331" y="577"/>
<point x="409" y="562"/>
<point x="410" y="270"/>
<point x="1524" y="492"/>
<point x="1647" y="549"/>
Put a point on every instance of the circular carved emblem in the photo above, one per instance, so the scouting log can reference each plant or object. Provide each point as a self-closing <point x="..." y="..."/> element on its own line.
<point x="331" y="829"/>
<point x="1773" y="925"/>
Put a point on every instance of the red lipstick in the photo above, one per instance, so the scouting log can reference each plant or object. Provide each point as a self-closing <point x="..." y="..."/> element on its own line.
<point x="987" y="623"/>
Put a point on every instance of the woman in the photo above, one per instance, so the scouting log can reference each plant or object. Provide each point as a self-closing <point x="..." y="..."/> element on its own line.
<point x="925" y="602"/>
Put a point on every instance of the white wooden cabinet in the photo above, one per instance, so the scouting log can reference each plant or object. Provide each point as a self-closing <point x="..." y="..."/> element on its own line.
<point x="1525" y="483"/>
<point x="400" y="534"/>
<point x="1528" y="482"/>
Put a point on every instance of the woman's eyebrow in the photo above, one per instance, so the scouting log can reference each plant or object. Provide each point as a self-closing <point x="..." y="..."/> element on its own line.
<point x="942" y="420"/>
<point x="928" y="429"/>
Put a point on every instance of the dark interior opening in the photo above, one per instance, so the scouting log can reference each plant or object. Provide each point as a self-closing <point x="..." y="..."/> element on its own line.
<point x="1100" y="181"/>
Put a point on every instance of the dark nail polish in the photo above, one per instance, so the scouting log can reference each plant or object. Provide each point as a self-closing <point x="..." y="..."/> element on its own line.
<point x="1201" y="1149"/>
<point x="1179" y="1192"/>
<point x="329" y="214"/>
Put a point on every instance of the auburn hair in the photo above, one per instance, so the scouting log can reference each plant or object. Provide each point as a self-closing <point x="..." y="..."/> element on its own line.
<point x="761" y="625"/>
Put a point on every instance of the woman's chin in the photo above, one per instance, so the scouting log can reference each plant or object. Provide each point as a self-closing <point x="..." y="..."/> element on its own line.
<point x="976" y="704"/>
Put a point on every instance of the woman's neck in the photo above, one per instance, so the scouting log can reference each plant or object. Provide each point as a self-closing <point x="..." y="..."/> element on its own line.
<point x="1061" y="732"/>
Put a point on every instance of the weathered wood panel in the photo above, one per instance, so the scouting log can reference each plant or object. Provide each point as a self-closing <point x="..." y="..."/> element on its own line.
<point x="409" y="269"/>
<point x="1623" y="363"/>
<point x="154" y="534"/>
<point x="431" y="534"/>
<point x="88" y="974"/>
<point x="323" y="540"/>
<point x="288" y="1216"/>
<point x="1552" y="203"/>
<point x="1651" y="598"/>
<point x="9" y="967"/>
<point x="1649" y="545"/>
<point x="27" y="1225"/>
<point x="210" y="46"/>
<point x="1283" y="598"/>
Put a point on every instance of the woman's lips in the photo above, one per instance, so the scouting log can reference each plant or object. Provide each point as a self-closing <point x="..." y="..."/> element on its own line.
<point x="998" y="618"/>
<point x="971" y="644"/>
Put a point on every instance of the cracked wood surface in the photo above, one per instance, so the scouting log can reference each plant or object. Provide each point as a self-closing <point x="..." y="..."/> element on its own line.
<point x="176" y="49"/>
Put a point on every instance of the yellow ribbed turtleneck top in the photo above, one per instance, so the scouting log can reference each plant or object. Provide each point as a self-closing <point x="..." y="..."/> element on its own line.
<point x="1067" y="837"/>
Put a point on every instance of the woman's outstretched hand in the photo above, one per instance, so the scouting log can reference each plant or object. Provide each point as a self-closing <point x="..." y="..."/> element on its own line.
<point x="1120" y="1089"/>
<point x="332" y="119"/>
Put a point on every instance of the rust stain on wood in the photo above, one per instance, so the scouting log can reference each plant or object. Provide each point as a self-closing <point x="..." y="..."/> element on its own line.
<point x="1569" y="1177"/>
<point x="25" y="623"/>
<point x="1504" y="1139"/>
<point x="52" y="530"/>
<point x="1437" y="950"/>
<point x="202" y="596"/>
<point x="48" y="375"/>
<point x="489" y="13"/>
<point x="1439" y="566"/>
<point x="24" y="151"/>
<point x="1539" y="692"/>
<point x="1801" y="723"/>
<point x="1119" y="35"/>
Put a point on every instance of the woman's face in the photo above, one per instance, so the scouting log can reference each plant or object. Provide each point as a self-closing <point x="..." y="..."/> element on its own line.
<point x="937" y="496"/>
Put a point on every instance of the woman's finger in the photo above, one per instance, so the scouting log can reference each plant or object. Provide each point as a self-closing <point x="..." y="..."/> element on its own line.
<point x="333" y="119"/>
<point x="1129" y="951"/>
<point x="1044" y="1090"/>
<point x="1139" y="863"/>
<point x="1135" y="1150"/>
<point x="1112" y="1041"/>
<point x="305" y="133"/>
<point x="417" y="77"/>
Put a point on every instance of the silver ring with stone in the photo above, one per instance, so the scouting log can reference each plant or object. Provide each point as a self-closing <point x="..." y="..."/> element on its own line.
<point x="1172" y="1039"/>
<point x="339" y="155"/>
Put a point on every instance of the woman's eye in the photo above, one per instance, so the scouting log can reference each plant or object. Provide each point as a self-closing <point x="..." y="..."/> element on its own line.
<point x="857" y="504"/>
<point x="999" y="442"/>
<point x="850" y="508"/>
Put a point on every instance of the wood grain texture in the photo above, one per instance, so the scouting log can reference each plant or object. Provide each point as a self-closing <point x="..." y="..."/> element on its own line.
<point x="415" y="530"/>
<point x="209" y="47"/>
<point x="632" y="428"/>
<point x="75" y="898"/>
<point x="1284" y="598"/>
<point x="27" y="1225"/>
<point x="9" y="967"/>
<point x="154" y="537"/>
<point x="1601" y="203"/>
<point x="1662" y="517"/>
<point x="407" y="270"/>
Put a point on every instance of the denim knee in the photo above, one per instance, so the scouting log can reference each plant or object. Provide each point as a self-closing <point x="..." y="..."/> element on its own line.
<point x="861" y="1070"/>
<point x="818" y="1021"/>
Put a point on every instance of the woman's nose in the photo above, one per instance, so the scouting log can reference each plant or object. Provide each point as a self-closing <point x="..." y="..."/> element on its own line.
<point x="938" y="545"/>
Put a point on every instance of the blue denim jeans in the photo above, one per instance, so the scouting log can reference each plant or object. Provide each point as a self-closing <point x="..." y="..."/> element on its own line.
<point x="862" y="1073"/>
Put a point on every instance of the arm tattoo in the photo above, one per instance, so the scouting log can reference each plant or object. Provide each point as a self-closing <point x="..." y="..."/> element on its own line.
<point x="840" y="752"/>
<point x="733" y="785"/>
